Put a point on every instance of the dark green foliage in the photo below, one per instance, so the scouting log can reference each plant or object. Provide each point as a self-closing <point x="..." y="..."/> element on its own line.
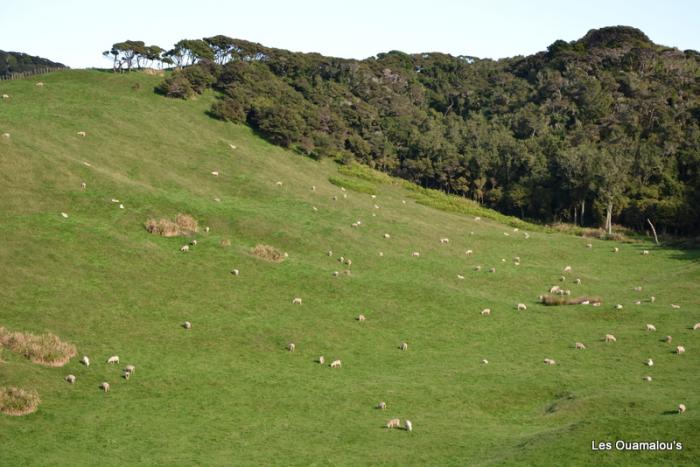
<point x="592" y="131"/>
<point x="17" y="62"/>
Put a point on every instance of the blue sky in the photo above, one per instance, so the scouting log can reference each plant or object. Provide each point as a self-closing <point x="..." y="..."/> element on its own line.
<point x="75" y="32"/>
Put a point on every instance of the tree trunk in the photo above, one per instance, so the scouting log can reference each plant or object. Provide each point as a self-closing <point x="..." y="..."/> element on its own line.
<point x="583" y="210"/>
<point x="656" y="239"/>
<point x="575" y="215"/>
<point x="608" y="217"/>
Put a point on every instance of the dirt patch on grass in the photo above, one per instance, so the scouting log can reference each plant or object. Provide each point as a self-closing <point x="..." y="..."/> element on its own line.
<point x="184" y="224"/>
<point x="555" y="300"/>
<point x="44" y="349"/>
<point x="15" y="401"/>
<point x="268" y="253"/>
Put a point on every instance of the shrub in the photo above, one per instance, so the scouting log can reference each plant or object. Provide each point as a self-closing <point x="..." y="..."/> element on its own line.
<point x="44" y="349"/>
<point x="555" y="300"/>
<point x="16" y="401"/>
<point x="184" y="225"/>
<point x="268" y="253"/>
<point x="187" y="223"/>
<point x="176" y="86"/>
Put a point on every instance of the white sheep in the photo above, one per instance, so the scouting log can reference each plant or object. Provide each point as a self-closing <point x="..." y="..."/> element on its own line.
<point x="113" y="359"/>
<point x="335" y="273"/>
<point x="105" y="386"/>
<point x="348" y="262"/>
<point x="652" y="299"/>
<point x="562" y="278"/>
<point x="321" y="360"/>
<point x="616" y="250"/>
<point x="554" y="289"/>
<point x="506" y="234"/>
<point x="645" y="252"/>
<point x="185" y="248"/>
<point x="459" y="276"/>
<point x="215" y="173"/>
<point x="329" y="253"/>
<point x="577" y="281"/>
<point x="403" y="346"/>
<point x="681" y="408"/>
<point x="674" y="306"/>
<point x="408" y="426"/>
<point x="444" y="240"/>
<point x="651" y="327"/>
<point x="314" y="208"/>
<point x="580" y="346"/>
<point x="486" y="312"/>
<point x="618" y="306"/>
<point x="638" y="288"/>
<point x="567" y="269"/>
<point x="296" y="301"/>
<point x="610" y="338"/>
<point x="637" y="302"/>
<point x="6" y="135"/>
<point x="589" y="245"/>
<point x="336" y="364"/>
<point x="393" y="423"/>
<point x="415" y="254"/>
<point x="668" y="339"/>
<point x="291" y="346"/>
<point x="516" y="259"/>
<point x="680" y="349"/>
<point x="381" y="253"/>
<point x="649" y="362"/>
<point x="40" y="84"/>
<point x="126" y="375"/>
<point x="235" y="272"/>
<point x="193" y="243"/>
<point x="64" y="215"/>
<point x="355" y="224"/>
<point x="647" y="379"/>
<point x="85" y="360"/>
<point x="82" y="133"/>
<point x="386" y="235"/>
<point x="549" y="361"/>
<point x="484" y="361"/>
<point x="477" y="218"/>
<point x="521" y="307"/>
<point x="381" y="405"/>
<point x="5" y="96"/>
<point x="278" y="183"/>
<point x="361" y="318"/>
<point x="313" y="187"/>
<point x="468" y="252"/>
<point x="83" y="185"/>
<point x="187" y="325"/>
<point x="129" y="369"/>
<point x="70" y="379"/>
<point x="492" y="270"/>
<point x="403" y="201"/>
<point x="232" y="146"/>
<point x="477" y="268"/>
<point x="696" y="326"/>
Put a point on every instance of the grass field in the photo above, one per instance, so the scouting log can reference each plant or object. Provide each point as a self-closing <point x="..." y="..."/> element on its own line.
<point x="227" y="391"/>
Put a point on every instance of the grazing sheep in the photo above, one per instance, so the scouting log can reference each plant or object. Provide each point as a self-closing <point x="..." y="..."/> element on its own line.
<point x="330" y="253"/>
<point x="278" y="183"/>
<point x="616" y="250"/>
<point x="185" y="248"/>
<point x="637" y="302"/>
<point x="187" y="325"/>
<point x="549" y="361"/>
<point x="597" y="303"/>
<point x="105" y="387"/>
<point x="348" y="262"/>
<point x="638" y="288"/>
<point x="503" y="260"/>
<point x="64" y="215"/>
<point x="477" y="218"/>
<point x="335" y="273"/>
<point x="113" y="359"/>
<point x="403" y="201"/>
<point x="393" y="423"/>
<point x="381" y="253"/>
<point x="516" y="259"/>
<point x="468" y="252"/>
<point x="381" y="405"/>
<point x="674" y="306"/>
<point x="40" y="84"/>
<point x="193" y="243"/>
<point x="83" y="185"/>
<point x="82" y="133"/>
<point x="218" y="200"/>
<point x="415" y="254"/>
<point x="313" y="187"/>
<point x="668" y="339"/>
<point x="129" y="369"/>
<point x="589" y="245"/>
<point x="580" y="346"/>
<point x="506" y="234"/>
<point x="649" y="362"/>
<point x="610" y="338"/>
<point x="521" y="307"/>
<point x="618" y="306"/>
<point x="459" y="276"/>
<point x="651" y="327"/>
<point x="85" y="360"/>
<point x="6" y="135"/>
<point x="645" y="252"/>
<point x="567" y="269"/>
<point x="680" y="349"/>
<point x="361" y="318"/>
<point x="70" y="379"/>
<point x="335" y="198"/>
<point x="375" y="207"/>
<point x="291" y="346"/>
<point x="296" y="301"/>
<point x="5" y="96"/>
<point x="321" y="360"/>
<point x="314" y="208"/>
<point x="562" y="279"/>
<point x="126" y="375"/>
<point x="647" y="379"/>
<point x="696" y="326"/>
<point x="232" y="146"/>
<point x="355" y="224"/>
<point x="341" y="259"/>
<point x="586" y="302"/>
<point x="492" y="270"/>
<point x="484" y="361"/>
<point x="527" y="235"/>
<point x="477" y="268"/>
<point x="386" y="235"/>
<point x="336" y="364"/>
<point x="403" y="346"/>
<point x="215" y="173"/>
<point x="554" y="289"/>
<point x="486" y="312"/>
<point x="444" y="240"/>
<point x="235" y="272"/>
<point x="577" y="281"/>
<point x="652" y="299"/>
<point x="408" y="426"/>
<point x="681" y="408"/>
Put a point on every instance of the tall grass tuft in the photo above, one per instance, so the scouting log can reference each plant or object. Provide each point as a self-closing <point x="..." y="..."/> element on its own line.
<point x="44" y="349"/>
<point x="15" y="401"/>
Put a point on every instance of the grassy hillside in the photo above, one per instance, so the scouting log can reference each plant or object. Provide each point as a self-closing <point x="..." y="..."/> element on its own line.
<point x="227" y="391"/>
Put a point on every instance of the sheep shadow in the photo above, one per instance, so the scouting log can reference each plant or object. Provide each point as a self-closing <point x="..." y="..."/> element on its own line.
<point x="670" y="412"/>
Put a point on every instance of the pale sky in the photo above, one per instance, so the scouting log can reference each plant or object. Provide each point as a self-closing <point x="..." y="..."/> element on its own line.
<point x="75" y="32"/>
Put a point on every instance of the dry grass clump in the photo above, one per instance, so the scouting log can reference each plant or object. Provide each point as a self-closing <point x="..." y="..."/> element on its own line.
<point x="184" y="225"/>
<point x="556" y="300"/>
<point x="225" y="242"/>
<point x="44" y="349"/>
<point x="268" y="253"/>
<point x="16" y="401"/>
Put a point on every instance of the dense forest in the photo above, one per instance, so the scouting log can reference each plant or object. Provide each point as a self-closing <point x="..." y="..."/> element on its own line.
<point x="17" y="62"/>
<point x="599" y="130"/>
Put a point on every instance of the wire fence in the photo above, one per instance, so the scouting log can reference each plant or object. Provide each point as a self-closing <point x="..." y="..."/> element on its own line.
<point x="27" y="74"/>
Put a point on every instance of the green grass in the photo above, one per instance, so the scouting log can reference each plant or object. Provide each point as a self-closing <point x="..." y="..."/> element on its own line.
<point x="227" y="391"/>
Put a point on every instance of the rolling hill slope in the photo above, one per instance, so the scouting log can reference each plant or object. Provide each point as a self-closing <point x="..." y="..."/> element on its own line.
<point x="227" y="391"/>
